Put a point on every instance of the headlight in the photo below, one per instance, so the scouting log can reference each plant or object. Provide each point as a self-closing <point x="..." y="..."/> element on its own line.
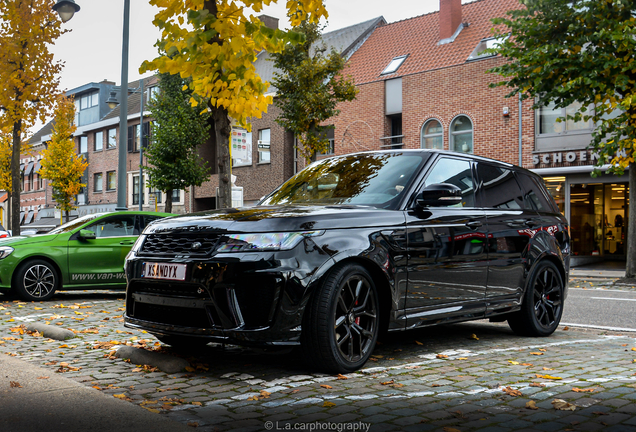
<point x="265" y="241"/>
<point x="136" y="247"/>
<point x="5" y="251"/>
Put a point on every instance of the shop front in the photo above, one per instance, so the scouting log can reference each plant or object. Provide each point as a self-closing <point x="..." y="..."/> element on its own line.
<point x="596" y="207"/>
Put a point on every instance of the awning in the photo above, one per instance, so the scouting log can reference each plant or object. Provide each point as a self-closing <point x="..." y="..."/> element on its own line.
<point x="21" y="217"/>
<point x="4" y="197"/>
<point x="21" y="167"/>
<point x="37" y="167"/>
<point x="29" y="217"/>
<point x="29" y="168"/>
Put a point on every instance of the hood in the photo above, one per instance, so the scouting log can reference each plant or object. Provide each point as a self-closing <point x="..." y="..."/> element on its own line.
<point x="27" y="239"/>
<point x="279" y="219"/>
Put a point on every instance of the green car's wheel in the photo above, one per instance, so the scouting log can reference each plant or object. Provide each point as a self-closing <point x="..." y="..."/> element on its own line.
<point x="341" y="324"/>
<point x="36" y="280"/>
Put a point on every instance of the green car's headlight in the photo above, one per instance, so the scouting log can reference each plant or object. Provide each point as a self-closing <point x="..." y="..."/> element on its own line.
<point x="5" y="251"/>
<point x="265" y="241"/>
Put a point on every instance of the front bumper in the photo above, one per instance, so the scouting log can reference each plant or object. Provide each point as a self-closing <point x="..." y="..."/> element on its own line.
<point x="255" y="298"/>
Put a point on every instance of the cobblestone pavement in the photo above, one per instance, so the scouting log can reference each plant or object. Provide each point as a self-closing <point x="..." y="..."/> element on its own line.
<point x="464" y="377"/>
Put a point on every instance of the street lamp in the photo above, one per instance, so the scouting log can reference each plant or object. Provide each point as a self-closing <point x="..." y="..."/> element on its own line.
<point x="66" y="9"/>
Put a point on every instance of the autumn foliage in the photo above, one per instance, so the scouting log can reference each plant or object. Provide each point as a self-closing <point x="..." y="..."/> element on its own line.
<point x="60" y="163"/>
<point x="28" y="74"/>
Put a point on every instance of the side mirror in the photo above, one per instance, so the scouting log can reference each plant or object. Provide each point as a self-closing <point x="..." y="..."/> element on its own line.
<point x="87" y="235"/>
<point x="439" y="195"/>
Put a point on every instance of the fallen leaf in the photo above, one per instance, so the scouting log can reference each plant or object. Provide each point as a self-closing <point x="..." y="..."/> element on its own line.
<point x="537" y="385"/>
<point x="566" y="328"/>
<point x="580" y="390"/>
<point x="548" y="377"/>
<point x="462" y="358"/>
<point x="197" y="403"/>
<point x="120" y="396"/>
<point x="511" y="392"/>
<point x="542" y="349"/>
<point x="441" y="356"/>
<point x="387" y="382"/>
<point x="193" y="424"/>
<point x="342" y="377"/>
<point x="527" y="364"/>
<point x="43" y="377"/>
<point x="326" y="386"/>
<point x="545" y="368"/>
<point x="560" y="404"/>
<point x="450" y="429"/>
<point x="474" y="336"/>
<point x="513" y="362"/>
<point x="328" y="404"/>
<point x="419" y="343"/>
<point x="532" y="405"/>
<point x="436" y="385"/>
<point x="624" y="345"/>
<point x="15" y="384"/>
<point x="536" y="353"/>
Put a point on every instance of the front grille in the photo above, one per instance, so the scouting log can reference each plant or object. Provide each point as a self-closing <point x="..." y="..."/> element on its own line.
<point x="169" y="245"/>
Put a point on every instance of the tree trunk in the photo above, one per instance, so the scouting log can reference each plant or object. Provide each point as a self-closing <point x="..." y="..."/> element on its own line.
<point x="222" y="131"/>
<point x="15" y="178"/>
<point x="67" y="214"/>
<point x="630" y="267"/>
<point x="8" y="210"/>
<point x="168" y="208"/>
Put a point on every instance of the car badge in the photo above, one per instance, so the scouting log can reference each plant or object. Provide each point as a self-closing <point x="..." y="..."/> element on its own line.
<point x="200" y="291"/>
<point x="196" y="246"/>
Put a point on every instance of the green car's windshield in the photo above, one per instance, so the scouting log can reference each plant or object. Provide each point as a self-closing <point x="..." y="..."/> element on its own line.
<point x="363" y="179"/>
<point x="75" y="223"/>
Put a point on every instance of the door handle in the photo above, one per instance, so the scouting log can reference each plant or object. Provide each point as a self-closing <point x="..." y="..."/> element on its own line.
<point x="127" y="242"/>
<point x="530" y="223"/>
<point x="473" y="224"/>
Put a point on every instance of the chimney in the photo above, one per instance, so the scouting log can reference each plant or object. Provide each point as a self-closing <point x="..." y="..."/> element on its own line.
<point x="270" y="21"/>
<point x="450" y="17"/>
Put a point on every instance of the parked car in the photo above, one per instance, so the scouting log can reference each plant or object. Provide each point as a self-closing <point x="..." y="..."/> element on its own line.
<point x="4" y="233"/>
<point x="354" y="245"/>
<point x="85" y="253"/>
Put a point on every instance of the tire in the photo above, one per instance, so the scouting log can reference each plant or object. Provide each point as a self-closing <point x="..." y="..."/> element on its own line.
<point x="341" y="323"/>
<point x="36" y="280"/>
<point x="542" y="305"/>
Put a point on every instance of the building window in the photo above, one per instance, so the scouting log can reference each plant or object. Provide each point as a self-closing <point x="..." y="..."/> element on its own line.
<point x="40" y="182"/>
<point x="176" y="195"/>
<point x="97" y="181"/>
<point x="83" y="144"/>
<point x="478" y="53"/>
<point x="549" y="114"/>
<point x="99" y="141"/>
<point x="153" y="92"/>
<point x="112" y="138"/>
<point x="263" y="146"/>
<point x="395" y="138"/>
<point x="328" y="132"/>
<point x="111" y="180"/>
<point x="89" y="100"/>
<point x="461" y="135"/>
<point x="432" y="135"/>
<point x="394" y="65"/>
<point x="135" y="190"/>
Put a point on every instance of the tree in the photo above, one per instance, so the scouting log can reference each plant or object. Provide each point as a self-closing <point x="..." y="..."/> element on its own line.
<point x="5" y="166"/>
<point x="214" y="43"/>
<point x="178" y="130"/>
<point x="566" y="51"/>
<point x="310" y="85"/>
<point x="28" y="74"/>
<point x="60" y="164"/>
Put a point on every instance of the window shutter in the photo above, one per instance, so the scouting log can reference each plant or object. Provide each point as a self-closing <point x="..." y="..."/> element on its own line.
<point x="145" y="134"/>
<point x="131" y="138"/>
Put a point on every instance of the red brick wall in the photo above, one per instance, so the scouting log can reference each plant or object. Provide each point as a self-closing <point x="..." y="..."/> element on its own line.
<point x="442" y="94"/>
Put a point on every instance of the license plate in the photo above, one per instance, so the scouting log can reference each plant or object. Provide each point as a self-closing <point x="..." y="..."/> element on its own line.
<point x="163" y="271"/>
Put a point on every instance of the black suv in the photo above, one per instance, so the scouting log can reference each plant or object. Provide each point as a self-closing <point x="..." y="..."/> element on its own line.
<point x="354" y="245"/>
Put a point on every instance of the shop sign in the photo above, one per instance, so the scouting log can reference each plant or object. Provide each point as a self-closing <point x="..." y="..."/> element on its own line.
<point x="568" y="158"/>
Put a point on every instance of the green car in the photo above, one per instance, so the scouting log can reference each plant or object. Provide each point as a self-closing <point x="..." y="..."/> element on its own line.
<point x="85" y="253"/>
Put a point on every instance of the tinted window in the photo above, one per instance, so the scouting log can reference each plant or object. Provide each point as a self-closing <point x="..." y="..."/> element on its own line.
<point x="114" y="227"/>
<point x="533" y="198"/>
<point x="498" y="187"/>
<point x="149" y="219"/>
<point x="456" y="172"/>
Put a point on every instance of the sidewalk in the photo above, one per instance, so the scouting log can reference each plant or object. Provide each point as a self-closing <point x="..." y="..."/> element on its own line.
<point x="33" y="399"/>
<point x="600" y="270"/>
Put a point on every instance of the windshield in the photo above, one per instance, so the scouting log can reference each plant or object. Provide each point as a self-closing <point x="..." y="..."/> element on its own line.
<point x="70" y="226"/>
<point x="375" y="179"/>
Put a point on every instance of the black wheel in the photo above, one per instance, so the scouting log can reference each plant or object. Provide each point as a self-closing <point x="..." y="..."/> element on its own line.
<point x="340" y="325"/>
<point x="542" y="306"/>
<point x="36" y="280"/>
<point x="183" y="342"/>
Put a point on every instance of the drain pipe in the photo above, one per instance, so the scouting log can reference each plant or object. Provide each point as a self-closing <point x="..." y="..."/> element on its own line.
<point x="520" y="132"/>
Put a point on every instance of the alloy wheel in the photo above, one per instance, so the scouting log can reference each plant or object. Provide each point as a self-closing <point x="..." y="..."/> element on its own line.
<point x="39" y="281"/>
<point x="547" y="298"/>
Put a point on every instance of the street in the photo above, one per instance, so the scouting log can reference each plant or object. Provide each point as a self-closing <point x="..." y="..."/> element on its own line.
<point x="470" y="376"/>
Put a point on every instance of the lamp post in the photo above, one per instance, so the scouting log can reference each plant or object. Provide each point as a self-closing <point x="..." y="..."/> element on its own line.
<point x="66" y="9"/>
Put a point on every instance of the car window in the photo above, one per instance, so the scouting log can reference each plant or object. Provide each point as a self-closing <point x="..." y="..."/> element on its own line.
<point x="118" y="226"/>
<point x="456" y="172"/>
<point x="75" y="223"/>
<point x="148" y="219"/>
<point x="533" y="198"/>
<point x="498" y="187"/>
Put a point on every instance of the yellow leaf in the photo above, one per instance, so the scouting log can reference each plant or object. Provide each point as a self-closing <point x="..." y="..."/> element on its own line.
<point x="190" y="369"/>
<point x="197" y="403"/>
<point x="474" y="336"/>
<point x="532" y="405"/>
<point x="548" y="377"/>
<point x="513" y="362"/>
<point x="419" y="343"/>
<point x="560" y="404"/>
<point x="328" y="404"/>
<point x="38" y="308"/>
<point x="536" y="353"/>
<point x="120" y="396"/>
<point x="326" y="386"/>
